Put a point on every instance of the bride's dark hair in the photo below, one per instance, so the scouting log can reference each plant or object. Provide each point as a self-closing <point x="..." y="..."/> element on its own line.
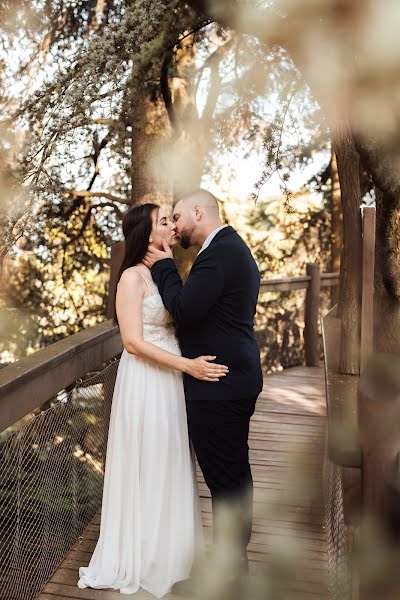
<point x="136" y="227"/>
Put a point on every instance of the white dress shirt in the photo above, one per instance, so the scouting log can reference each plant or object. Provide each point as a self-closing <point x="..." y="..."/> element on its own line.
<point x="210" y="237"/>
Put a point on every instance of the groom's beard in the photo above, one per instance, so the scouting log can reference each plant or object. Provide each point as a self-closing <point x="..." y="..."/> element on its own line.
<point x="185" y="241"/>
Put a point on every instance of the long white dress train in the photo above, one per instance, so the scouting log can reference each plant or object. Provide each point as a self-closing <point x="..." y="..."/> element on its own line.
<point x="150" y="518"/>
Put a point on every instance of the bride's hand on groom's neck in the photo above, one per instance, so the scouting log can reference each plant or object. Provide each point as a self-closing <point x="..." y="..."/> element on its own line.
<point x="153" y="254"/>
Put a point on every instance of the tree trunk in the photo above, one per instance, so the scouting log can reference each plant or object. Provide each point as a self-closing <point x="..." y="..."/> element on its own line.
<point x="190" y="139"/>
<point x="387" y="273"/>
<point x="148" y="175"/>
<point x="350" y="268"/>
<point x="336" y="226"/>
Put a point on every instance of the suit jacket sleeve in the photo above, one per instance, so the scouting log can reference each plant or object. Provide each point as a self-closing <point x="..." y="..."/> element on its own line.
<point x="192" y="301"/>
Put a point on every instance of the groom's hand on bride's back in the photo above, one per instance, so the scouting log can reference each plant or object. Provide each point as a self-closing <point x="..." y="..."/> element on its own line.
<point x="154" y="254"/>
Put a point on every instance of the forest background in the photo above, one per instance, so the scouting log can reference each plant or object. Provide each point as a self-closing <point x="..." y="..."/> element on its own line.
<point x="107" y="103"/>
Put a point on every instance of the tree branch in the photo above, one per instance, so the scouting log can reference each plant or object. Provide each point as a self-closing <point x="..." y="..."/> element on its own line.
<point x="166" y="63"/>
<point x="165" y="91"/>
<point x="91" y="194"/>
<point x="63" y="276"/>
<point x="86" y="221"/>
<point x="268" y="26"/>
<point x="192" y="32"/>
<point x="214" y="57"/>
<point x="110" y="205"/>
<point x="213" y="62"/>
<point x="97" y="148"/>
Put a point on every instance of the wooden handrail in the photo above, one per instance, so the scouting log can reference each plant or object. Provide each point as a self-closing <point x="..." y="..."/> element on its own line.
<point x="311" y="314"/>
<point x="273" y="284"/>
<point x="302" y="282"/>
<point x="312" y="282"/>
<point x="33" y="380"/>
<point x="341" y="399"/>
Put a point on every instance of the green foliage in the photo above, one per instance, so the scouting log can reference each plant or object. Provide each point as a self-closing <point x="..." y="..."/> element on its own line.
<point x="78" y="128"/>
<point x="61" y="279"/>
<point x="93" y="97"/>
<point x="82" y="149"/>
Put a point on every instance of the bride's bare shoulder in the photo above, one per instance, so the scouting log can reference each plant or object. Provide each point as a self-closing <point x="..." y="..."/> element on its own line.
<point x="132" y="275"/>
<point x="133" y="271"/>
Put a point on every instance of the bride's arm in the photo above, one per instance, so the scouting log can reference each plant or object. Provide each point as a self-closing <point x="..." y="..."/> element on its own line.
<point x="129" y="305"/>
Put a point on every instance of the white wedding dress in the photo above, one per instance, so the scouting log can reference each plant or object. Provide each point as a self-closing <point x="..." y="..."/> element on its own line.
<point x="150" y="519"/>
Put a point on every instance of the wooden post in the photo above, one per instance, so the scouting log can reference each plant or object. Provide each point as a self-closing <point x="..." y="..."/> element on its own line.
<point x="367" y="301"/>
<point x="379" y="431"/>
<point x="311" y="335"/>
<point x="117" y="254"/>
<point x="379" y="434"/>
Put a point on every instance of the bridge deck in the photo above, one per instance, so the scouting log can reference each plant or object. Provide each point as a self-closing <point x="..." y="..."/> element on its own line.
<point x="286" y="449"/>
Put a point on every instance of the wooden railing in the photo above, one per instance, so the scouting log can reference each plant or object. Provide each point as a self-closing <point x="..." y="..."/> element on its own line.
<point x="363" y="436"/>
<point x="370" y="461"/>
<point x="341" y="390"/>
<point x="51" y="462"/>
<point x="312" y="282"/>
<point x="31" y="381"/>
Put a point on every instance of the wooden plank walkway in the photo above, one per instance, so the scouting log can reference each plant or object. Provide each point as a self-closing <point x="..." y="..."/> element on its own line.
<point x="288" y="546"/>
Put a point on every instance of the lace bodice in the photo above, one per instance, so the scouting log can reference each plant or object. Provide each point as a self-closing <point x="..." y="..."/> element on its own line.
<point x="158" y="327"/>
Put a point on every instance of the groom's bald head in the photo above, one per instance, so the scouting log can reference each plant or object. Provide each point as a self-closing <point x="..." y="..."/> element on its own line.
<point x="204" y="199"/>
<point x="196" y="214"/>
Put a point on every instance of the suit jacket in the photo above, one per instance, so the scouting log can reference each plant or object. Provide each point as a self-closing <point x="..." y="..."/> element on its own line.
<point x="214" y="315"/>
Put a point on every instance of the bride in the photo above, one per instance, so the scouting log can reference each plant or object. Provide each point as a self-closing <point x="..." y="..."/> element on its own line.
<point x="150" y="519"/>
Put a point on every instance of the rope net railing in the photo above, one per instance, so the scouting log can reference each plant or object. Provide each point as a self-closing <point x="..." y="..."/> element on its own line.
<point x="337" y="535"/>
<point x="51" y="481"/>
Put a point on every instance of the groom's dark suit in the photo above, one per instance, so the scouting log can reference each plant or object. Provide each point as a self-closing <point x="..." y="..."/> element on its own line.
<point x="214" y="314"/>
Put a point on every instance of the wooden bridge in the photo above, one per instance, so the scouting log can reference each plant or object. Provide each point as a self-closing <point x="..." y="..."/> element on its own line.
<point x="287" y="431"/>
<point x="286" y="450"/>
<point x="54" y="412"/>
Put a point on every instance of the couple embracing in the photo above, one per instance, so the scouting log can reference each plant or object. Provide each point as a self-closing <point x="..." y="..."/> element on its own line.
<point x="203" y="329"/>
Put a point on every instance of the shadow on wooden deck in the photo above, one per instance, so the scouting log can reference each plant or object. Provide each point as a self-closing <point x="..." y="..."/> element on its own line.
<point x="288" y="541"/>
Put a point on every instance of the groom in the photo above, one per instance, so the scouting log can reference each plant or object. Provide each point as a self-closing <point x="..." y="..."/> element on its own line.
<point x="214" y="313"/>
